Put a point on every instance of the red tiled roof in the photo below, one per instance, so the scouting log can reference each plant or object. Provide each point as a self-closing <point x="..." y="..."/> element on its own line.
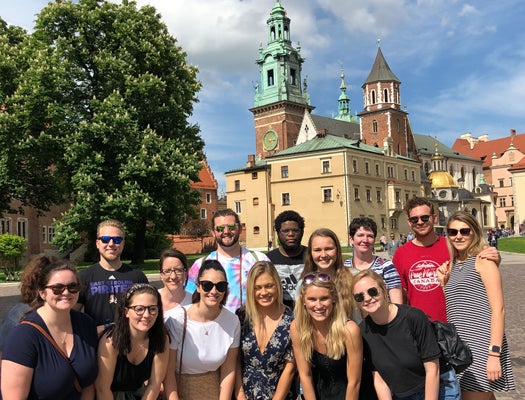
<point x="519" y="165"/>
<point x="485" y="150"/>
<point x="207" y="179"/>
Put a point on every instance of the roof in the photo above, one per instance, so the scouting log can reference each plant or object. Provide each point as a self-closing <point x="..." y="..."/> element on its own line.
<point x="518" y="166"/>
<point x="337" y="127"/>
<point x="259" y="164"/>
<point x="425" y="145"/>
<point x="380" y="70"/>
<point x="206" y="178"/>
<point x="441" y="179"/>
<point x="483" y="150"/>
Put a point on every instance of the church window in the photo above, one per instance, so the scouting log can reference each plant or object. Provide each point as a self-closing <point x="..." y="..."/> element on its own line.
<point x="385" y="94"/>
<point x="269" y="74"/>
<point x="293" y="77"/>
<point x="285" y="199"/>
<point x="374" y="126"/>
<point x="373" y="94"/>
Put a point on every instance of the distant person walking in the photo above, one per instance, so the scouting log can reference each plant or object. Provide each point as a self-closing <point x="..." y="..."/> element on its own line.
<point x="392" y="245"/>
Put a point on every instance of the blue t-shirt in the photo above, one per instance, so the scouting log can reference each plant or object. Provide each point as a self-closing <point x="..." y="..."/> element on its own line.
<point x="53" y="377"/>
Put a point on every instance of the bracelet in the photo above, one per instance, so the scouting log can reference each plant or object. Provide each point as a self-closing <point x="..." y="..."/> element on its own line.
<point x="494" y="355"/>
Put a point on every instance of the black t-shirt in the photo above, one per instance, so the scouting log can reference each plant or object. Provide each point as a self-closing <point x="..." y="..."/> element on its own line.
<point x="289" y="269"/>
<point x="101" y="289"/>
<point x="397" y="350"/>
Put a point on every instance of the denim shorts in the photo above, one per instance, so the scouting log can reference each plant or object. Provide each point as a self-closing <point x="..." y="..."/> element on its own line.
<point x="448" y="388"/>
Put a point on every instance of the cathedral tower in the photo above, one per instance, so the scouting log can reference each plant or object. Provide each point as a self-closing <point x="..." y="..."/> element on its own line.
<point x="280" y="95"/>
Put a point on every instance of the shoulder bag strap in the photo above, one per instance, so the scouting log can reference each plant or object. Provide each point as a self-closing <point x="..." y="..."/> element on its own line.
<point x="60" y="351"/>
<point x="182" y="344"/>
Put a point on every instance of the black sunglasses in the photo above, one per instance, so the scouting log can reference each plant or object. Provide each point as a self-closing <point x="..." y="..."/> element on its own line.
<point x="59" y="288"/>
<point x="423" y="218"/>
<point x="207" y="286"/>
<point x="107" y="239"/>
<point x="140" y="310"/>
<point x="231" y="227"/>
<point x="454" y="232"/>
<point x="321" y="277"/>
<point x="360" y="297"/>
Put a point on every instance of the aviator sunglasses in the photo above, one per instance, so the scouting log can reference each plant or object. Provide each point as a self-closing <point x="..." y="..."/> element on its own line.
<point x="59" y="288"/>
<point x="321" y="277"/>
<point x="454" y="232"/>
<point x="107" y="239"/>
<point x="207" y="286"/>
<point x="372" y="292"/>
<point x="221" y="228"/>
<point x="423" y="218"/>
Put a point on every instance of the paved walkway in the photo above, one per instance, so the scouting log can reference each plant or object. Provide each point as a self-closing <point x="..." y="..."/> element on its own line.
<point x="513" y="273"/>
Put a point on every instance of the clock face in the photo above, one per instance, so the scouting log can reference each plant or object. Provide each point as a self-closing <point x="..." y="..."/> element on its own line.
<point x="270" y="140"/>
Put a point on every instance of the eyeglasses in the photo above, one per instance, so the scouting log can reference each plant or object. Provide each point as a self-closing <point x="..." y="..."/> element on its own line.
<point x="454" y="232"/>
<point x="423" y="218"/>
<point x="176" y="271"/>
<point x="207" y="286"/>
<point x="321" y="277"/>
<point x="372" y="292"/>
<point x="59" y="288"/>
<point x="107" y="239"/>
<point x="140" y="310"/>
<point x="221" y="228"/>
<point x="295" y="231"/>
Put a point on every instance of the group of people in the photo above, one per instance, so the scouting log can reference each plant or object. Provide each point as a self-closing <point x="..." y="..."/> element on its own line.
<point x="242" y="324"/>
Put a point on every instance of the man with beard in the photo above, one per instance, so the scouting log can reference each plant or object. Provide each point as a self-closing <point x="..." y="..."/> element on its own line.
<point x="104" y="282"/>
<point x="236" y="260"/>
<point x="288" y="258"/>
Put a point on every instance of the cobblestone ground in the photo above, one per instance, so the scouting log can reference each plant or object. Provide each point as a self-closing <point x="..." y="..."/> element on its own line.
<point x="513" y="273"/>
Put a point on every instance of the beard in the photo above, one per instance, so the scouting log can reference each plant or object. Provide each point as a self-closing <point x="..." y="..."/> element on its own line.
<point x="234" y="240"/>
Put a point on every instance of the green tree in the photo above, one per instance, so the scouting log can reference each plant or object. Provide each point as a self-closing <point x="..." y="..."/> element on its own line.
<point x="113" y="91"/>
<point x="11" y="249"/>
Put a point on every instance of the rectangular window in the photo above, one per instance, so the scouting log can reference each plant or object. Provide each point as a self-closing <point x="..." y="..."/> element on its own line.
<point x="254" y="175"/>
<point x="269" y="75"/>
<point x="21" y="227"/>
<point x="203" y="213"/>
<point x="354" y="166"/>
<point x="377" y="170"/>
<point x="326" y="166"/>
<point x="398" y="197"/>
<point x="413" y="176"/>
<point x="502" y="202"/>
<point x="356" y="194"/>
<point x="5" y="225"/>
<point x="390" y="172"/>
<point x="208" y="198"/>
<point x="255" y="201"/>
<point x="238" y="208"/>
<point x="393" y="223"/>
<point x="378" y="196"/>
<point x="383" y="222"/>
<point x="237" y="185"/>
<point x="44" y="234"/>
<point x="293" y="77"/>
<point x="327" y="195"/>
<point x="407" y="196"/>
<point x="501" y="183"/>
<point x="367" y="168"/>
<point x="368" y="195"/>
<point x="50" y="233"/>
<point x="284" y="171"/>
<point x="285" y="199"/>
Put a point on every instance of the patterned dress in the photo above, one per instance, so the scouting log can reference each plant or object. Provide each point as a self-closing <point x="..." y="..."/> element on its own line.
<point x="469" y="310"/>
<point x="261" y="371"/>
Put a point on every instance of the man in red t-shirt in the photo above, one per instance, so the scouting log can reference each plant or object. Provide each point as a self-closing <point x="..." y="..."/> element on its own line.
<point x="417" y="260"/>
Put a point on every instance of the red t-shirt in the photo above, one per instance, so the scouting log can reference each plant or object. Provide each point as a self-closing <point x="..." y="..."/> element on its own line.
<point x="417" y="269"/>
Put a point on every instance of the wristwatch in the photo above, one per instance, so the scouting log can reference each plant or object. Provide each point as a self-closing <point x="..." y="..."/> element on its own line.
<point x="495" y="349"/>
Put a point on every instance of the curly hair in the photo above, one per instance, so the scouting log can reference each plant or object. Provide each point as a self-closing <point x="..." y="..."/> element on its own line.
<point x="31" y="275"/>
<point x="288" y="215"/>
<point x="362" y="222"/>
<point x="416" y="202"/>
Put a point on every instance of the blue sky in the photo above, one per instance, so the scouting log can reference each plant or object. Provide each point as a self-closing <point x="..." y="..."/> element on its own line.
<point x="461" y="64"/>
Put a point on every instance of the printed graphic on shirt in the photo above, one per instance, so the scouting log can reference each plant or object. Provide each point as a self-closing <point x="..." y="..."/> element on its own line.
<point x="422" y="275"/>
<point x="112" y="287"/>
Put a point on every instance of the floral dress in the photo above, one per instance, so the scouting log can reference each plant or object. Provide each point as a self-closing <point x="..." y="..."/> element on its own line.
<point x="261" y="371"/>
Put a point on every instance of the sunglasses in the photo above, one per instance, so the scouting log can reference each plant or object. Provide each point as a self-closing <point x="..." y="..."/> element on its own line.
<point x="60" y="288"/>
<point x="176" y="271"/>
<point x="454" y="232"/>
<point x="360" y="297"/>
<point x="423" y="218"/>
<point x="221" y="228"/>
<point x="207" y="286"/>
<point x="107" y="239"/>
<point x="321" y="277"/>
<point x="140" y="310"/>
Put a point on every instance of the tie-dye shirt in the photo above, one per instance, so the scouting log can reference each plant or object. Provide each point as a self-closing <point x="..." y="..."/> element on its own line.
<point x="236" y="278"/>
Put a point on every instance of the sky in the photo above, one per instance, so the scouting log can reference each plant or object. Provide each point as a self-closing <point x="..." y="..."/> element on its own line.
<point x="461" y="63"/>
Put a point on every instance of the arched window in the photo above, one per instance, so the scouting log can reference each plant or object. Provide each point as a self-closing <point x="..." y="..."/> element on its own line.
<point x="374" y="126"/>
<point x="385" y="95"/>
<point x="373" y="94"/>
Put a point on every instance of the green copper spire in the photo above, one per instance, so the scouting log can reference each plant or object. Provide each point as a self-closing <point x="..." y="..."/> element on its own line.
<point x="344" y="104"/>
<point x="279" y="64"/>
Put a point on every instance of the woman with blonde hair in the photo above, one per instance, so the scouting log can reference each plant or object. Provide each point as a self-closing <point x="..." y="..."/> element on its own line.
<point x="324" y="254"/>
<point x="266" y="364"/>
<point x="399" y="343"/>
<point x="327" y="346"/>
<point x="474" y="299"/>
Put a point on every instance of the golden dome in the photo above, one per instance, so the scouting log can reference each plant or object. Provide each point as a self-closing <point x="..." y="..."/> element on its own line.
<point x="441" y="179"/>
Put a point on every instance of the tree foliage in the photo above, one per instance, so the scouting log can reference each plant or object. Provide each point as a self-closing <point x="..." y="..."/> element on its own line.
<point x="109" y="92"/>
